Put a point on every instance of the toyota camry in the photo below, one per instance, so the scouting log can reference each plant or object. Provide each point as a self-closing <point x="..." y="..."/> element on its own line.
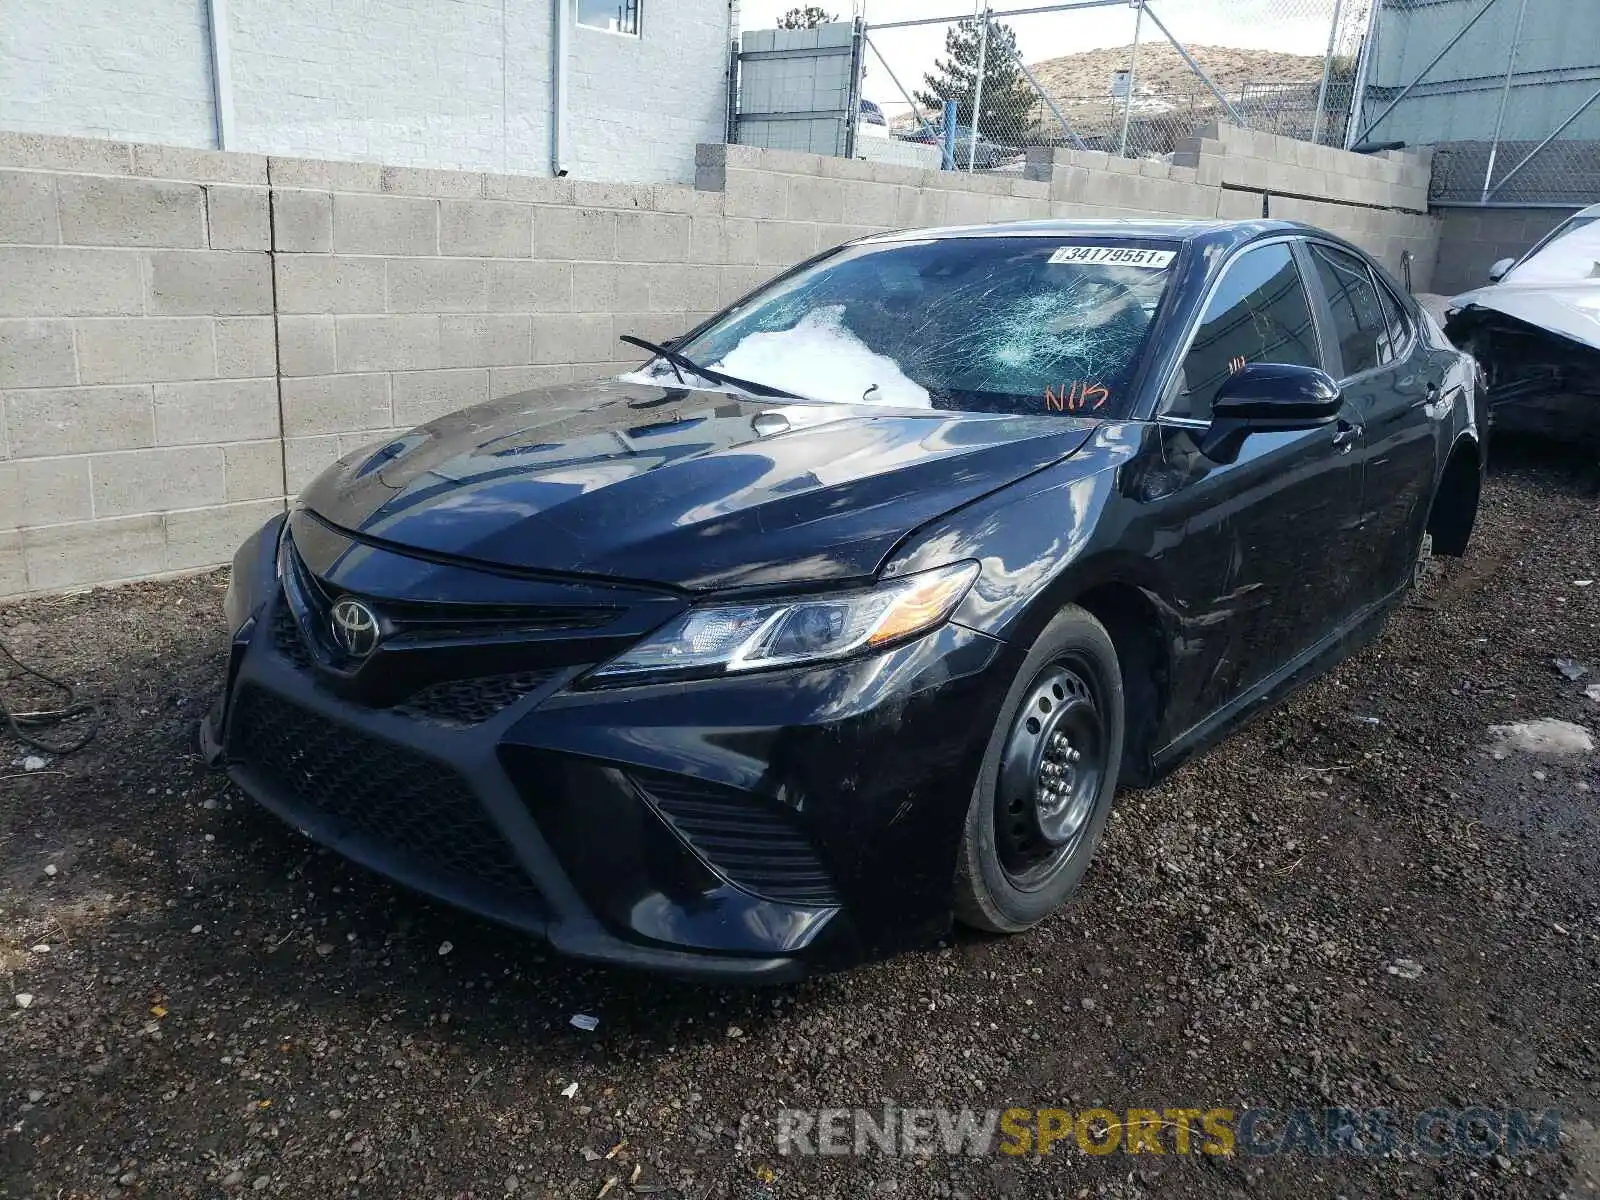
<point x="846" y="615"/>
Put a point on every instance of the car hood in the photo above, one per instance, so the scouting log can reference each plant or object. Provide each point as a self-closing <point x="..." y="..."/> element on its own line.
<point x="1570" y="310"/>
<point x="692" y="489"/>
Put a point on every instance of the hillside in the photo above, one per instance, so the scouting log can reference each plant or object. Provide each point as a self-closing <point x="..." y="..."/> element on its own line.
<point x="1087" y="75"/>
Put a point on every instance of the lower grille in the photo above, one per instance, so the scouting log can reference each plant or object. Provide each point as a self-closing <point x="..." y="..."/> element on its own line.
<point x="286" y="637"/>
<point x="752" y="842"/>
<point x="391" y="799"/>
<point x="464" y="702"/>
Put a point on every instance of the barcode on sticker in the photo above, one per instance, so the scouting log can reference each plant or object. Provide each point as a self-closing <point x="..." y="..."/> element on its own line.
<point x="1114" y="256"/>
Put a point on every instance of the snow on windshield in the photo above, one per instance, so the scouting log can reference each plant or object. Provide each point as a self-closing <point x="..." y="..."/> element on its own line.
<point x="1573" y="257"/>
<point x="825" y="361"/>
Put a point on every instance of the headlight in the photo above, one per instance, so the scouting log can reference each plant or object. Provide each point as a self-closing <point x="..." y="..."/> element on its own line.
<point x="728" y="638"/>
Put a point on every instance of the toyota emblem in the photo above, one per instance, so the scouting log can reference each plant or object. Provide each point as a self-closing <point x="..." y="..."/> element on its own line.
<point x="355" y="628"/>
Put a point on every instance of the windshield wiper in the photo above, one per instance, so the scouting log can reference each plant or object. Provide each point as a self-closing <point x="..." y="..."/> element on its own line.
<point x="676" y="360"/>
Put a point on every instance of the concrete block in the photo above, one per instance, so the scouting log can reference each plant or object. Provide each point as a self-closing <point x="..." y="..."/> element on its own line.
<point x="13" y="567"/>
<point x="36" y="354"/>
<point x="738" y="282"/>
<point x="236" y="218"/>
<point x="145" y="350"/>
<point x="224" y="283"/>
<point x="77" y="420"/>
<point x="253" y="470"/>
<point x="323" y="175"/>
<point x="506" y="381"/>
<point x="426" y="181"/>
<point x="44" y="491"/>
<point x="420" y="396"/>
<point x="44" y="152"/>
<point x="967" y="208"/>
<point x="391" y="343"/>
<point x="485" y="228"/>
<point x="815" y="199"/>
<point x="203" y="166"/>
<point x="246" y="347"/>
<point x="708" y="240"/>
<point x="610" y="287"/>
<point x="739" y="236"/>
<point x="130" y="212"/>
<point x="529" y="189"/>
<point x="424" y="285"/>
<point x="658" y="327"/>
<point x="142" y="481"/>
<point x="47" y="281"/>
<point x="334" y="404"/>
<point x="329" y="284"/>
<point x="304" y="458"/>
<point x="575" y="339"/>
<point x="532" y="286"/>
<point x="1238" y="206"/>
<point x="589" y="234"/>
<point x="784" y="243"/>
<point x="918" y="208"/>
<point x="675" y="288"/>
<point x="62" y="556"/>
<point x="674" y="197"/>
<point x="484" y="341"/>
<point x="306" y="346"/>
<point x="228" y="410"/>
<point x="652" y="237"/>
<point x="385" y="225"/>
<point x="302" y="221"/>
<point x="756" y="194"/>
<point x="593" y="193"/>
<point x="209" y="536"/>
<point x="28" y="208"/>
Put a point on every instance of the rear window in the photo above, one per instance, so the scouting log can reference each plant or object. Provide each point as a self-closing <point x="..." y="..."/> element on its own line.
<point x="985" y="324"/>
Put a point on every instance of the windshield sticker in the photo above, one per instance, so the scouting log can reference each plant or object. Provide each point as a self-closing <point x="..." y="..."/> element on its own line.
<point x="1117" y="256"/>
<point x="1076" y="397"/>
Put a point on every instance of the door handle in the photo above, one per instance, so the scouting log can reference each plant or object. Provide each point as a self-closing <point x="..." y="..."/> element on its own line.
<point x="1345" y="436"/>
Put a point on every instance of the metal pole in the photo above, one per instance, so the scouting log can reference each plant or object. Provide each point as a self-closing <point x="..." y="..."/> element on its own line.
<point x="1505" y="96"/>
<point x="1050" y="102"/>
<point x="1539" y="149"/>
<point x="1133" y="78"/>
<point x="852" y="104"/>
<point x="977" y="91"/>
<point x="1358" y="99"/>
<point x="1432" y="63"/>
<point x="1327" y="72"/>
<point x="221" y="73"/>
<point x="947" y="146"/>
<point x="1194" y="66"/>
<point x="1001" y="14"/>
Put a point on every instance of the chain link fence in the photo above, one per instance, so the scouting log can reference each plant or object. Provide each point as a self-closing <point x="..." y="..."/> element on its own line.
<point x="1132" y="77"/>
<point x="1507" y="91"/>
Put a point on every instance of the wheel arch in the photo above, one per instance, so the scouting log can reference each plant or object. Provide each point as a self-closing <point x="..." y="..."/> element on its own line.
<point x="1132" y="617"/>
<point x="1454" y="510"/>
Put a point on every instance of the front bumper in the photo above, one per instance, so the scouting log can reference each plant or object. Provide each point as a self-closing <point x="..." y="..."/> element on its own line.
<point x="757" y="827"/>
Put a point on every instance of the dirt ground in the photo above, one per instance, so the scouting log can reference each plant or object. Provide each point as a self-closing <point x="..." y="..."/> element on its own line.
<point x="1352" y="902"/>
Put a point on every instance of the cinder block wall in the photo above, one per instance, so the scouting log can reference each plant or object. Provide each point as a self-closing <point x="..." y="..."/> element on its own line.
<point x="1471" y="240"/>
<point x="187" y="337"/>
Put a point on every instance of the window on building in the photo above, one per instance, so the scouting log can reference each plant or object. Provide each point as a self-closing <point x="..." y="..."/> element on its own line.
<point x="614" y="16"/>
<point x="1258" y="314"/>
<point x="1358" y="318"/>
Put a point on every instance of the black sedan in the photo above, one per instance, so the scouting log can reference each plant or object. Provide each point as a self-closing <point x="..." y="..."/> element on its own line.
<point x="849" y="612"/>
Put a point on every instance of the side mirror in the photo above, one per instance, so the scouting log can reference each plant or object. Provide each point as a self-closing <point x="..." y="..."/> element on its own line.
<point x="1266" y="398"/>
<point x="1498" y="271"/>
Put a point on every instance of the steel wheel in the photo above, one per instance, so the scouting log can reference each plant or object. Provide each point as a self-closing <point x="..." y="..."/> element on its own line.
<point x="1051" y="772"/>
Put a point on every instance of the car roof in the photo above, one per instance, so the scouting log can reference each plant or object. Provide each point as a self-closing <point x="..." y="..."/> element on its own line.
<point x="1212" y="233"/>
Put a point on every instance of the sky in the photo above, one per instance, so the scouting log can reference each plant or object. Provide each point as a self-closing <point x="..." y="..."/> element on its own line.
<point x="1296" y="26"/>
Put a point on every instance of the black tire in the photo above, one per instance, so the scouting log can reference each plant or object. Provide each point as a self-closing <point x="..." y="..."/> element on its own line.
<point x="1035" y="819"/>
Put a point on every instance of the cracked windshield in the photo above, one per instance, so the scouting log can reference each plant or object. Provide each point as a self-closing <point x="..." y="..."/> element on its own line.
<point x="1008" y="324"/>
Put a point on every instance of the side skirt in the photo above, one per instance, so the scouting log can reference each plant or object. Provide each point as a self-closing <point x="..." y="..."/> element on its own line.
<point x="1310" y="664"/>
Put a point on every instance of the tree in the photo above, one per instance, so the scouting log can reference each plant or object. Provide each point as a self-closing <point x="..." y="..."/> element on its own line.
<point x="807" y="17"/>
<point x="1008" y="98"/>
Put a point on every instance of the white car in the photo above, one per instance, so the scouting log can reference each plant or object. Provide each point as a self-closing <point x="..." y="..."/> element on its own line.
<point x="1535" y="330"/>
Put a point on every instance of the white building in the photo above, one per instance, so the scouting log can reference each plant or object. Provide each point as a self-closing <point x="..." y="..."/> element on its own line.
<point x="604" y="89"/>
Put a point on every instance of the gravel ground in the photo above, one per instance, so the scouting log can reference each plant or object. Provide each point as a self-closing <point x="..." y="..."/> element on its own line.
<point x="223" y="1009"/>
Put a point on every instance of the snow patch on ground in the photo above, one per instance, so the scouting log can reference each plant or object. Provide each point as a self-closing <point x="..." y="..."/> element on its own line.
<point x="822" y="360"/>
<point x="1544" y="736"/>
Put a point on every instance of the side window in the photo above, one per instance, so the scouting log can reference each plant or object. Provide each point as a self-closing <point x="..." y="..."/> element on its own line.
<point x="1358" y="317"/>
<point x="1396" y="325"/>
<point x="1258" y="314"/>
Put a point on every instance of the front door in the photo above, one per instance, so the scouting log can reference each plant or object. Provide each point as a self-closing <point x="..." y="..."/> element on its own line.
<point x="1267" y="538"/>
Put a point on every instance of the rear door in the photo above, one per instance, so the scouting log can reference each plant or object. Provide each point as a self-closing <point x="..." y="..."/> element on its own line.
<point x="1267" y="538"/>
<point x="1394" y="382"/>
